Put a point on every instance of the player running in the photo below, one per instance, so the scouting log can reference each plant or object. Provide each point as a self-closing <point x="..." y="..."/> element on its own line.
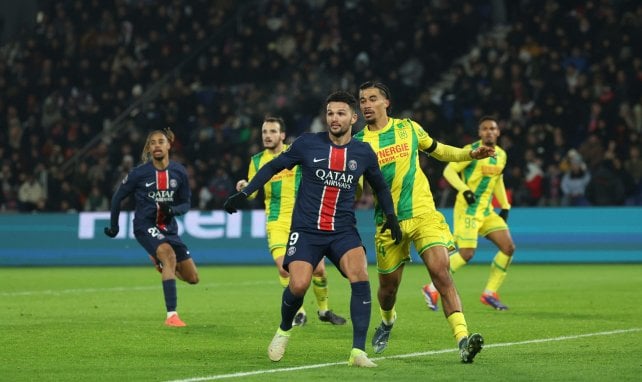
<point x="161" y="192"/>
<point x="477" y="181"/>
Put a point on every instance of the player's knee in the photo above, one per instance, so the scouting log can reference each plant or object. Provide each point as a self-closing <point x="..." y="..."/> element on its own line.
<point x="389" y="290"/>
<point x="298" y="287"/>
<point x="509" y="249"/>
<point x="193" y="279"/>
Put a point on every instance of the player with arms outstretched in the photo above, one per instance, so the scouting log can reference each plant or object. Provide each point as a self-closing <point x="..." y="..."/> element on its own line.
<point x="280" y="193"/>
<point x="478" y="181"/>
<point x="161" y="192"/>
<point x="398" y="143"/>
<point x="323" y="221"/>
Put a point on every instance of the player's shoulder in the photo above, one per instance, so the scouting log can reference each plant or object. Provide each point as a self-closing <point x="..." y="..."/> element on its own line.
<point x="176" y="166"/>
<point x="142" y="168"/>
<point x="258" y="156"/>
<point x="500" y="150"/>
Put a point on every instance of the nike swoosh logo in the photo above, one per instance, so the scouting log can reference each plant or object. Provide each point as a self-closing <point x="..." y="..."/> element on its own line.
<point x="149" y="184"/>
<point x="365" y="302"/>
<point x="315" y="160"/>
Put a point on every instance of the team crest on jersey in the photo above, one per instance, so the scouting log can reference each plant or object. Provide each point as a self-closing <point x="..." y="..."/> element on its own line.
<point x="402" y="133"/>
<point x="173" y="183"/>
<point x="352" y="164"/>
<point x="291" y="251"/>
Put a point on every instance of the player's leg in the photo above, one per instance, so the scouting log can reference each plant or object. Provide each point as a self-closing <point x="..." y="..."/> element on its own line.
<point x="498" y="268"/>
<point x="436" y="260"/>
<point x="185" y="266"/>
<point x="390" y="265"/>
<point x="457" y="260"/>
<point x="165" y="253"/>
<point x="432" y="243"/>
<point x="466" y="237"/>
<point x="320" y="288"/>
<point x="278" y="254"/>
<point x="304" y="255"/>
<point x="300" y="275"/>
<point x="277" y="235"/>
<point x="353" y="264"/>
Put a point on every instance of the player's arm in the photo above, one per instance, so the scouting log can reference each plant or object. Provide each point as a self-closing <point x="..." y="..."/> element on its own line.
<point x="124" y="190"/>
<point x="500" y="193"/>
<point x="451" y="174"/>
<point x="251" y="172"/>
<point x="183" y="200"/>
<point x="288" y="159"/>
<point x="376" y="180"/>
<point x="447" y="153"/>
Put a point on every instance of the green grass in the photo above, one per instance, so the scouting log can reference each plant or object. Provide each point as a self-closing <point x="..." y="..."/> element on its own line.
<point x="89" y="324"/>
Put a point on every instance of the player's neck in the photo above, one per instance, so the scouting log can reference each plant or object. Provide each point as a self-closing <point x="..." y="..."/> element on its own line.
<point x="160" y="164"/>
<point x="340" y="140"/>
<point x="275" y="150"/>
<point x="378" y="124"/>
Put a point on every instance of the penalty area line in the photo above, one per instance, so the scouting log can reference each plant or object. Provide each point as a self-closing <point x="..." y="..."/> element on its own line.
<point x="409" y="355"/>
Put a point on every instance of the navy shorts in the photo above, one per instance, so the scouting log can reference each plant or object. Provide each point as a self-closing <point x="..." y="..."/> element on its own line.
<point x="153" y="237"/>
<point x="312" y="247"/>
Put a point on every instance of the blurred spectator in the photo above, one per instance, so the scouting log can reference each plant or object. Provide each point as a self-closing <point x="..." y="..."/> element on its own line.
<point x="91" y="78"/>
<point x="633" y="168"/>
<point x="606" y="187"/>
<point x="96" y="201"/>
<point x="574" y="181"/>
<point x="31" y="194"/>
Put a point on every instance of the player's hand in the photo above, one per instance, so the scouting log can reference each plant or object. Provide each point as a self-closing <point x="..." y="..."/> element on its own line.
<point x="483" y="152"/>
<point x="470" y="197"/>
<point x="232" y="203"/>
<point x="241" y="184"/>
<point x="111" y="231"/>
<point x="393" y="225"/>
<point x="166" y="209"/>
<point x="504" y="214"/>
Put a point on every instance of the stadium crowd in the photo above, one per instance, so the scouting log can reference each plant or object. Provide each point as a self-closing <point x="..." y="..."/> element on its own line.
<point x="80" y="90"/>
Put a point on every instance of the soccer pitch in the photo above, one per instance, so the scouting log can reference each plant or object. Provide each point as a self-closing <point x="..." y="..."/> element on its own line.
<point x="565" y="323"/>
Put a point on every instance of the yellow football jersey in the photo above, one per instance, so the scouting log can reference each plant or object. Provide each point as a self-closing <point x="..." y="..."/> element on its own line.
<point x="280" y="191"/>
<point x="484" y="178"/>
<point x="397" y="147"/>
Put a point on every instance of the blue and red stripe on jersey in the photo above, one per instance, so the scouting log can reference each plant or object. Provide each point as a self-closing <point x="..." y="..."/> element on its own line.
<point x="162" y="184"/>
<point x="330" y="195"/>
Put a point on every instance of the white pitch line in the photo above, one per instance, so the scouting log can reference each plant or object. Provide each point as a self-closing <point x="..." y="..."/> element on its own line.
<point x="409" y="355"/>
<point x="56" y="292"/>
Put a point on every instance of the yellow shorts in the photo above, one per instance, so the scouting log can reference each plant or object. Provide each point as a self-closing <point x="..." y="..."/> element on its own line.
<point x="424" y="231"/>
<point x="468" y="228"/>
<point x="277" y="237"/>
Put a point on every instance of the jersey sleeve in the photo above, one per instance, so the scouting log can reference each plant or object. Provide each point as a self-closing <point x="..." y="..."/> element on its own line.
<point x="289" y="158"/>
<point x="182" y="202"/>
<point x="375" y="178"/>
<point x="500" y="193"/>
<point x="251" y="172"/>
<point x="451" y="174"/>
<point x="126" y="188"/>
<point x="426" y="142"/>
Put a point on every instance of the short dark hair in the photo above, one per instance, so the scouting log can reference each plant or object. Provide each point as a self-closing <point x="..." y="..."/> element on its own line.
<point x="274" y="118"/>
<point x="383" y="89"/>
<point x="379" y="85"/>
<point x="343" y="96"/>
<point x="486" y="118"/>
